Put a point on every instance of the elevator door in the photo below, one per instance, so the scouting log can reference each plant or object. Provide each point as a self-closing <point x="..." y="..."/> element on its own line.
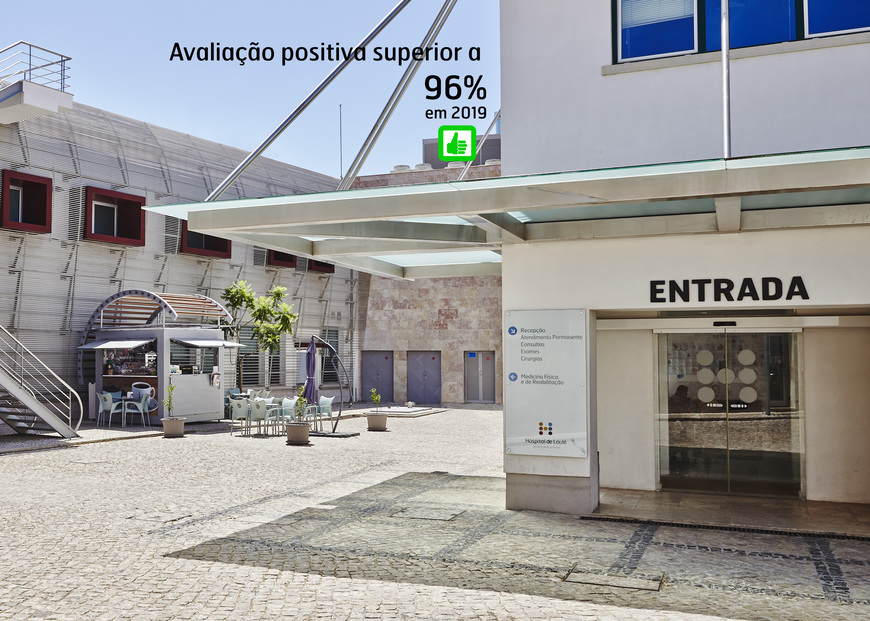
<point x="377" y="373"/>
<point x="730" y="419"/>
<point x="424" y="376"/>
<point x="480" y="377"/>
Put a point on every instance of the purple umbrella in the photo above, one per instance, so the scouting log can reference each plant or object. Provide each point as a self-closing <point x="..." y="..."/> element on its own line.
<point x="310" y="392"/>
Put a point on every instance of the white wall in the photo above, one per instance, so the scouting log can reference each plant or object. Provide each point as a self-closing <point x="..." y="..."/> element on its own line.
<point x="616" y="273"/>
<point x="836" y="372"/>
<point x="626" y="416"/>
<point x="560" y="113"/>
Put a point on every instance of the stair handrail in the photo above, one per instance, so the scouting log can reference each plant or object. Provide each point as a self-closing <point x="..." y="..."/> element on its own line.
<point x="31" y="370"/>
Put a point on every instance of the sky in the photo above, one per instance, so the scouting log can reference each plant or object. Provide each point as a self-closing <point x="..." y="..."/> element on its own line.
<point x="125" y="60"/>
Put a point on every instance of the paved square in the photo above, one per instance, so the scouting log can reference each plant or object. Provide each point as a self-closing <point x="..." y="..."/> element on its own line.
<point x="408" y="524"/>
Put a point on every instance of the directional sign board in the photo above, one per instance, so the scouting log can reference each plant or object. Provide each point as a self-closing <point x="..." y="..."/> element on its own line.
<point x="545" y="383"/>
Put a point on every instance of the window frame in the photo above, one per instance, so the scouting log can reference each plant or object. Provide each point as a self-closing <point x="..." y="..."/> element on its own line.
<point x="114" y="209"/>
<point x="274" y="258"/>
<point x="129" y="216"/>
<point x="35" y="199"/>
<point x="801" y="33"/>
<point x="321" y="267"/>
<point x="619" y="29"/>
<point x="223" y="247"/>
<point x="805" y="4"/>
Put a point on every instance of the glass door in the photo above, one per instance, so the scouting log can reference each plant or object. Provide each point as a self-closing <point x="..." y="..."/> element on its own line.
<point x="730" y="420"/>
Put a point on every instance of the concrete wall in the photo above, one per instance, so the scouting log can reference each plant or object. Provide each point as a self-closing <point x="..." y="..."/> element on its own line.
<point x="450" y="315"/>
<point x="836" y="372"/>
<point x="558" y="80"/>
<point x="626" y="409"/>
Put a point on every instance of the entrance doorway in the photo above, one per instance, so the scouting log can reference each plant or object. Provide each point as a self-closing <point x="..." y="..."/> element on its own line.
<point x="730" y="419"/>
<point x="424" y="376"/>
<point x="377" y="373"/>
<point x="480" y="377"/>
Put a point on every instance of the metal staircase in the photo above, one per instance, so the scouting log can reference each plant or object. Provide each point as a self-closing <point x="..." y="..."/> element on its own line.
<point x="33" y="399"/>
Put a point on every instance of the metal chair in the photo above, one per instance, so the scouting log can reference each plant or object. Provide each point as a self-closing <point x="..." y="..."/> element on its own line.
<point x="109" y="407"/>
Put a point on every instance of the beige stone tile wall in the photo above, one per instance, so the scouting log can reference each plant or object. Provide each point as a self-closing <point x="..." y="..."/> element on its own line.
<point x="450" y="315"/>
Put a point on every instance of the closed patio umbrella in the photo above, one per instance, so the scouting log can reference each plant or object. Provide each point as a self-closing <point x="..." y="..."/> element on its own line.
<point x="310" y="392"/>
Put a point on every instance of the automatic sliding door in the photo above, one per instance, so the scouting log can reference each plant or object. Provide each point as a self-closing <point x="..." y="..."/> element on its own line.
<point x="729" y="419"/>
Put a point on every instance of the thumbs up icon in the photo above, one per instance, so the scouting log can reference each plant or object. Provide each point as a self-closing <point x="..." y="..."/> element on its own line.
<point x="456" y="146"/>
<point x="457" y="143"/>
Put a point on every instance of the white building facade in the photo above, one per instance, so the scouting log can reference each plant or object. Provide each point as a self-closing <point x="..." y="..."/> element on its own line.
<point x="759" y="314"/>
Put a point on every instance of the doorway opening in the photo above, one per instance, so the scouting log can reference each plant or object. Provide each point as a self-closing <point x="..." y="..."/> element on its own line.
<point x="729" y="417"/>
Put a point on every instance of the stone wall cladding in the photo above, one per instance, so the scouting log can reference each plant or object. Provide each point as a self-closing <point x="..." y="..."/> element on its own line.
<point x="450" y="315"/>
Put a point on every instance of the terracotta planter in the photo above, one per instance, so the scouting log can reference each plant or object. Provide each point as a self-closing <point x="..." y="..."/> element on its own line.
<point x="173" y="427"/>
<point x="377" y="422"/>
<point x="297" y="433"/>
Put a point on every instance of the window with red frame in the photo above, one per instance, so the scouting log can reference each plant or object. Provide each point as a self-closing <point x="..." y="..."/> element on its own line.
<point x="280" y="259"/>
<point x="26" y="202"/>
<point x="204" y="245"/>
<point x="114" y="217"/>
<point x="320" y="266"/>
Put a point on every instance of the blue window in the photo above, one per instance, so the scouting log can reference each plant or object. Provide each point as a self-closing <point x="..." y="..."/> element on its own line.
<point x="751" y="22"/>
<point x="830" y="16"/>
<point x="654" y="28"/>
<point x="650" y="28"/>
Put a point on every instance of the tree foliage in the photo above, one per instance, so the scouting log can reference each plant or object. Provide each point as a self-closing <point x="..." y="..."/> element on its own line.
<point x="269" y="316"/>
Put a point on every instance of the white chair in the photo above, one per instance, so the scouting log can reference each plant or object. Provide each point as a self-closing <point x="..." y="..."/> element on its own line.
<point x="288" y="408"/>
<point x="261" y="413"/>
<point x="139" y="407"/>
<point x="324" y="410"/>
<point x="240" y="410"/>
<point x="109" y="407"/>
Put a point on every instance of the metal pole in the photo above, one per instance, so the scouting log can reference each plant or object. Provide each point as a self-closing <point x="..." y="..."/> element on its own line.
<point x="394" y="99"/>
<point x="726" y="82"/>
<point x="479" y="146"/>
<point x="221" y="188"/>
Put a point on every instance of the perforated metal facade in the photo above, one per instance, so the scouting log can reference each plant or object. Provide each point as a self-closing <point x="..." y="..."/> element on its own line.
<point x="53" y="282"/>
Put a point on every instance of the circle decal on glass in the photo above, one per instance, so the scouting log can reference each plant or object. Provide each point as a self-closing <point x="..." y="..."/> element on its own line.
<point x="705" y="376"/>
<point x="705" y="357"/>
<point x="748" y="394"/>
<point x="726" y="376"/>
<point x="746" y="357"/>
<point x="706" y="394"/>
<point x="747" y="376"/>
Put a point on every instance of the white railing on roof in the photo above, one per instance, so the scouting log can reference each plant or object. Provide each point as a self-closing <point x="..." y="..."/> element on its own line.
<point x="25" y="61"/>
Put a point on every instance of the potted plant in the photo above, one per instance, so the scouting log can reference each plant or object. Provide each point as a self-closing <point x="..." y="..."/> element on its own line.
<point x="376" y="421"/>
<point x="173" y="426"/>
<point x="297" y="429"/>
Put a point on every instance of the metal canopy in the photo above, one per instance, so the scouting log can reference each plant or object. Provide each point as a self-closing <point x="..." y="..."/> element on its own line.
<point x="369" y="229"/>
<point x="205" y="343"/>
<point x="116" y="344"/>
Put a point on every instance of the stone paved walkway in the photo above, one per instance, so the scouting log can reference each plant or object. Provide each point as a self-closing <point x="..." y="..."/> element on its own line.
<point x="407" y="524"/>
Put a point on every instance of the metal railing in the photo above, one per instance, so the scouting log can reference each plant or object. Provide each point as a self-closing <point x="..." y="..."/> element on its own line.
<point x="25" y="61"/>
<point x="34" y="376"/>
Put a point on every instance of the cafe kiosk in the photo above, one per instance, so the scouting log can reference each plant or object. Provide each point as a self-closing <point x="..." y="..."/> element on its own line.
<point x="143" y="339"/>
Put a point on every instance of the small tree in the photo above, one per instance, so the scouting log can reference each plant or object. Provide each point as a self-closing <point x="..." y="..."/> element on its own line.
<point x="376" y="399"/>
<point x="269" y="316"/>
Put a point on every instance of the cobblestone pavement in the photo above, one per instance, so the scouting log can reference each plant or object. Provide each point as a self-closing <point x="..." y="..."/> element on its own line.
<point x="407" y="524"/>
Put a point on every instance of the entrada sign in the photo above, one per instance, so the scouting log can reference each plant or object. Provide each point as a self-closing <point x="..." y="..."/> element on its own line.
<point x="767" y="289"/>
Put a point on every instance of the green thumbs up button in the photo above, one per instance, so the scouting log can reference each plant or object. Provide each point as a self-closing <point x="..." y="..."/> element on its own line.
<point x="457" y="143"/>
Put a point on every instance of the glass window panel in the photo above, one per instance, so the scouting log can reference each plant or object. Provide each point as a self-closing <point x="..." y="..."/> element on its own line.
<point x="656" y="27"/>
<point x="828" y="16"/>
<point x="105" y="222"/>
<point x="15" y="198"/>
<point x="752" y="22"/>
<point x="195" y="240"/>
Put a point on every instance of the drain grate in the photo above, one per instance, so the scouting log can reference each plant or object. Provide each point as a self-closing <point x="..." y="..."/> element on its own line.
<point x="650" y="582"/>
